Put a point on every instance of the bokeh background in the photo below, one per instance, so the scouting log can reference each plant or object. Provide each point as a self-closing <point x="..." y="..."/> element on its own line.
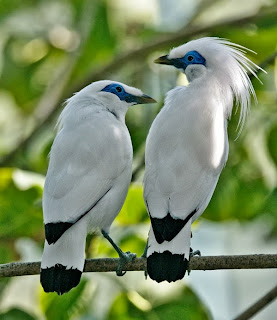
<point x="49" y="50"/>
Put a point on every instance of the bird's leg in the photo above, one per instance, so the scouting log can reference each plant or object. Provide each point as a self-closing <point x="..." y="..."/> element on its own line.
<point x="144" y="255"/>
<point x="124" y="257"/>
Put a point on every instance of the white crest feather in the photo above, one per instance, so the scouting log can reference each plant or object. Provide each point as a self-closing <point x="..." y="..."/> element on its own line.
<point x="241" y="84"/>
<point x="229" y="63"/>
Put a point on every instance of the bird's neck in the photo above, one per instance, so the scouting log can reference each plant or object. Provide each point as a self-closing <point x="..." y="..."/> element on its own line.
<point x="211" y="87"/>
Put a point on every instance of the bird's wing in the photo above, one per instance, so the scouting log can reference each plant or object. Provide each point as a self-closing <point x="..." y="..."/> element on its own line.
<point x="185" y="153"/>
<point x="84" y="163"/>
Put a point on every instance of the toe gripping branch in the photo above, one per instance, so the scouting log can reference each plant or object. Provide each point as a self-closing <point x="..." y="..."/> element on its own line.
<point x="192" y="254"/>
<point x="124" y="257"/>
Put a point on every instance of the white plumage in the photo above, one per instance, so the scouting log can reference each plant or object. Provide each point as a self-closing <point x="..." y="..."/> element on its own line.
<point x="187" y="146"/>
<point x="88" y="177"/>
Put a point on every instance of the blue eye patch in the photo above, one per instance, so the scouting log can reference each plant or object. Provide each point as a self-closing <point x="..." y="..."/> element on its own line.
<point x="119" y="91"/>
<point x="192" y="57"/>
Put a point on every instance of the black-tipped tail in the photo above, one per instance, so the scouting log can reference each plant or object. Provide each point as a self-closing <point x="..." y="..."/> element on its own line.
<point x="59" y="279"/>
<point x="166" y="266"/>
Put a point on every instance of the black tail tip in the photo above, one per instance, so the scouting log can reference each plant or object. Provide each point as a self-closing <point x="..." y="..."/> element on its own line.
<point x="166" y="266"/>
<point x="59" y="279"/>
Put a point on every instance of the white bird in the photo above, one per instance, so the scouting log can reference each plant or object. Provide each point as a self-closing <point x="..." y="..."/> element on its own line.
<point x="187" y="146"/>
<point x="88" y="177"/>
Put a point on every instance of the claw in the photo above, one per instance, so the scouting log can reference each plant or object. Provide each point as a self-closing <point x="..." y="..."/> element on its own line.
<point x="124" y="258"/>
<point x="194" y="253"/>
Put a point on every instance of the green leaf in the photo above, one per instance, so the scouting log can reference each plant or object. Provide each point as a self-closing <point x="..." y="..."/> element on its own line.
<point x="270" y="210"/>
<point x="15" y="313"/>
<point x="133" y="210"/>
<point x="186" y="306"/>
<point x="100" y="43"/>
<point x="183" y="305"/>
<point x="271" y="203"/>
<point x="68" y="306"/>
<point x="9" y="7"/>
<point x="236" y="197"/>
<point x="272" y="144"/>
<point x="124" y="309"/>
<point x="133" y="243"/>
<point x="19" y="214"/>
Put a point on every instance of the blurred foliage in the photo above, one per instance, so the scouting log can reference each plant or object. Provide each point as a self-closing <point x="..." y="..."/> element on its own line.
<point x="16" y="313"/>
<point x="66" y="306"/>
<point x="133" y="210"/>
<point x="39" y="39"/>
<point x="131" y="305"/>
<point x="20" y="215"/>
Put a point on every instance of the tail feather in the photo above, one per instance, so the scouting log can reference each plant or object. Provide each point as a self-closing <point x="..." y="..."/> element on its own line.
<point x="168" y="261"/>
<point x="166" y="266"/>
<point x="59" y="279"/>
<point x="63" y="262"/>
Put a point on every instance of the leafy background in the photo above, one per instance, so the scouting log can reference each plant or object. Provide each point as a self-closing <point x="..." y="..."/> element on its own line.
<point x="50" y="49"/>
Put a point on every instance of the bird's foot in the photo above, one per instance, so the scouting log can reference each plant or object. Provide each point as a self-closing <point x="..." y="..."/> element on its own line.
<point x="124" y="258"/>
<point x="194" y="253"/>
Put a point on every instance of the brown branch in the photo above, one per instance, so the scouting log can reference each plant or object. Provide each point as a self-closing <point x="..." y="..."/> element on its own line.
<point x="121" y="60"/>
<point x="258" y="305"/>
<point x="256" y="261"/>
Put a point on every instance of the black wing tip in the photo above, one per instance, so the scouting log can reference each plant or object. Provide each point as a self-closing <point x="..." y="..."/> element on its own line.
<point x="167" y="228"/>
<point x="59" y="279"/>
<point x="54" y="230"/>
<point x="166" y="266"/>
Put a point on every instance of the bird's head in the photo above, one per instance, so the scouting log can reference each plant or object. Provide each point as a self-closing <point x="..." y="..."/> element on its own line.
<point x="106" y="95"/>
<point x="121" y="93"/>
<point x="113" y="96"/>
<point x="214" y="58"/>
<point x="114" y="92"/>
<point x="192" y="63"/>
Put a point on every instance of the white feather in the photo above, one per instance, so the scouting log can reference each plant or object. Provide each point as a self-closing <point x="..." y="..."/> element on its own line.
<point x="187" y="145"/>
<point x="88" y="177"/>
<point x="227" y="61"/>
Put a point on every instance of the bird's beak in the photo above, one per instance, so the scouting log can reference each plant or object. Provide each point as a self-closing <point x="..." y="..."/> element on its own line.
<point x="145" y="99"/>
<point x="164" y="60"/>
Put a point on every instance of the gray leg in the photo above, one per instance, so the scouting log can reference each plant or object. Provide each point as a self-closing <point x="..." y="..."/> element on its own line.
<point x="144" y="255"/>
<point x="124" y="257"/>
<point x="192" y="254"/>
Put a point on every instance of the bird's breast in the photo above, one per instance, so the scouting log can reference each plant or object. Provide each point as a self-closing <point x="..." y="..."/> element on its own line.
<point x="189" y="136"/>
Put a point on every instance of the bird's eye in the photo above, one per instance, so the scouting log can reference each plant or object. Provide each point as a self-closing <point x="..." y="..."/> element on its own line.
<point x="118" y="89"/>
<point x="190" y="58"/>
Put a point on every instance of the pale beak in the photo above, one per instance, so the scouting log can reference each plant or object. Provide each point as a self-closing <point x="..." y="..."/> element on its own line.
<point x="164" y="60"/>
<point x="145" y="99"/>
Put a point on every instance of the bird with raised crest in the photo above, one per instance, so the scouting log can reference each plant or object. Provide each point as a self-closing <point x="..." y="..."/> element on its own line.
<point x="88" y="177"/>
<point x="187" y="146"/>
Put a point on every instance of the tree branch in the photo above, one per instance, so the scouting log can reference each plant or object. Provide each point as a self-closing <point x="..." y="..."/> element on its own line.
<point x="258" y="305"/>
<point x="121" y="60"/>
<point x="256" y="261"/>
